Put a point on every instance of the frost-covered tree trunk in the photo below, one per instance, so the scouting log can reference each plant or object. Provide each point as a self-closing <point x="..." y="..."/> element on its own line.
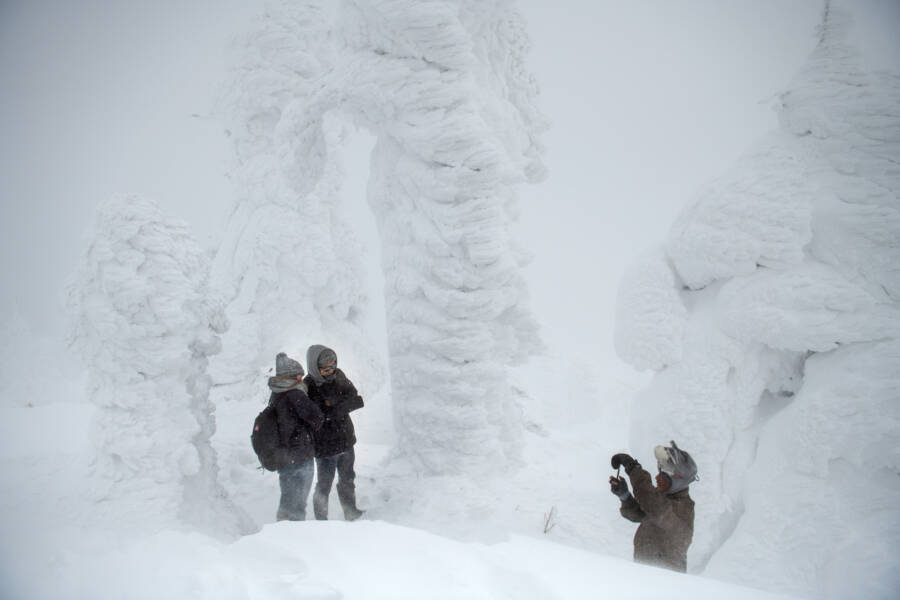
<point x="780" y="294"/>
<point x="442" y="87"/>
<point x="144" y="326"/>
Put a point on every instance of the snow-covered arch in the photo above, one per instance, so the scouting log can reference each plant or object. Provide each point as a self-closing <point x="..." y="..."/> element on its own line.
<point x="442" y="87"/>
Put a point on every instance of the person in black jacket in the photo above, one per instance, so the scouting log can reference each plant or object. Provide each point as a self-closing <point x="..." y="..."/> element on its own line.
<point x="336" y="397"/>
<point x="298" y="418"/>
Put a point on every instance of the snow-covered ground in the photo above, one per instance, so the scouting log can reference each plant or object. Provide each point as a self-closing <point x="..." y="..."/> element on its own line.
<point x="49" y="552"/>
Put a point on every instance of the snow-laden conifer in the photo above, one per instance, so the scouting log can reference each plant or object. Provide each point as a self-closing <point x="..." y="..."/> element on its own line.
<point x="289" y="267"/>
<point x="787" y="270"/>
<point x="144" y="326"/>
<point x="442" y="87"/>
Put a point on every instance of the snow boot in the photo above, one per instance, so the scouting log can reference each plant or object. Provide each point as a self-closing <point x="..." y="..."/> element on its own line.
<point x="320" y="506"/>
<point x="351" y="513"/>
<point x="348" y="503"/>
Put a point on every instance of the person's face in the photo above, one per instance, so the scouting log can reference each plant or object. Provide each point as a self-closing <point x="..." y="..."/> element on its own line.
<point x="662" y="482"/>
<point x="327" y="370"/>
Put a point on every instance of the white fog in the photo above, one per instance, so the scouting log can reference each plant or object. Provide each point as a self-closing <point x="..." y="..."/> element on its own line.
<point x="536" y="235"/>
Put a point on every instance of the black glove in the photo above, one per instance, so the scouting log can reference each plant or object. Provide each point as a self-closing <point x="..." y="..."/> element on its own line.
<point x="624" y="460"/>
<point x="619" y="487"/>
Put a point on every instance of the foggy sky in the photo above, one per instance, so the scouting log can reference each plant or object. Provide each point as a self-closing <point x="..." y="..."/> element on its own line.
<point x="647" y="102"/>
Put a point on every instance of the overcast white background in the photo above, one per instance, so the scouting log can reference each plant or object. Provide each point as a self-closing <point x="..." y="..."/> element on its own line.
<point x="647" y="102"/>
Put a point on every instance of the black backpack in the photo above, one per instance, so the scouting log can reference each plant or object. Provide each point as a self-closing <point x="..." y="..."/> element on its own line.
<point x="265" y="440"/>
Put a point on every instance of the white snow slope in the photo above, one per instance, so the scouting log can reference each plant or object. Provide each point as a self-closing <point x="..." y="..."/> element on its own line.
<point x="51" y="549"/>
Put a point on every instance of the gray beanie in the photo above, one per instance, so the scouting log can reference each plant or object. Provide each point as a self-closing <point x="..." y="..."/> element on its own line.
<point x="286" y="366"/>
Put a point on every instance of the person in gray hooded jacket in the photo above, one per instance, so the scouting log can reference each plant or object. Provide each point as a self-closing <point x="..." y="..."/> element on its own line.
<point x="336" y="397"/>
<point x="297" y="419"/>
<point x="665" y="513"/>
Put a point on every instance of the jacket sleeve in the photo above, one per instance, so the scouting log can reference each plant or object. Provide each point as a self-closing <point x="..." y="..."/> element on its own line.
<point x="286" y="419"/>
<point x="631" y="510"/>
<point x="308" y="411"/>
<point x="650" y="501"/>
<point x="348" y="399"/>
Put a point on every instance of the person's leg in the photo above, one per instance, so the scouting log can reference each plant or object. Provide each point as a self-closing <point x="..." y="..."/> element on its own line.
<point x="295" y="481"/>
<point x="324" y="478"/>
<point x="346" y="486"/>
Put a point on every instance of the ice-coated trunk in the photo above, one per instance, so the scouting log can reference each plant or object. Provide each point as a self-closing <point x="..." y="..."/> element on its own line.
<point x="451" y="297"/>
<point x="442" y="88"/>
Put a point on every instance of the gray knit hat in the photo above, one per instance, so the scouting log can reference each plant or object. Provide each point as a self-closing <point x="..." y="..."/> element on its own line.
<point x="286" y="366"/>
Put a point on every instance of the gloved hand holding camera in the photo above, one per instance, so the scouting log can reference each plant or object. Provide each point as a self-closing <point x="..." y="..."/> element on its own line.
<point x="624" y="460"/>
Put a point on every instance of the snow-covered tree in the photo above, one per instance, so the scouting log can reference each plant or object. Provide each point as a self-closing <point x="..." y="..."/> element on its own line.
<point x="780" y="293"/>
<point x="145" y="327"/>
<point x="289" y="267"/>
<point x="442" y="87"/>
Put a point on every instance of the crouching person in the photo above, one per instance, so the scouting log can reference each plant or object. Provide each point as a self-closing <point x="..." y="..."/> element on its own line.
<point x="297" y="417"/>
<point x="665" y="512"/>
<point x="336" y="397"/>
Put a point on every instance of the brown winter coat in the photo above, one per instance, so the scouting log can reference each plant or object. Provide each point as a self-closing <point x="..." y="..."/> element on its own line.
<point x="666" y="523"/>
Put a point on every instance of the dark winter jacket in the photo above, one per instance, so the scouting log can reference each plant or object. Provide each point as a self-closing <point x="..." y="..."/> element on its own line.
<point x="336" y="399"/>
<point x="298" y="418"/>
<point x="666" y="523"/>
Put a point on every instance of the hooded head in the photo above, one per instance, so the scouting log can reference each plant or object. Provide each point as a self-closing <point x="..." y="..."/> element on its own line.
<point x="318" y="357"/>
<point x="677" y="465"/>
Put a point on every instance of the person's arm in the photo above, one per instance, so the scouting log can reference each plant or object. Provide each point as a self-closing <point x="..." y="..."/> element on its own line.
<point x="648" y="498"/>
<point x="308" y="411"/>
<point x="631" y="510"/>
<point x="286" y="419"/>
<point x="346" y="399"/>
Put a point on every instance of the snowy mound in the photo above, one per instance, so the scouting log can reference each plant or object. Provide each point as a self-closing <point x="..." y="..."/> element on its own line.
<point x="364" y="561"/>
<point x="778" y="366"/>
